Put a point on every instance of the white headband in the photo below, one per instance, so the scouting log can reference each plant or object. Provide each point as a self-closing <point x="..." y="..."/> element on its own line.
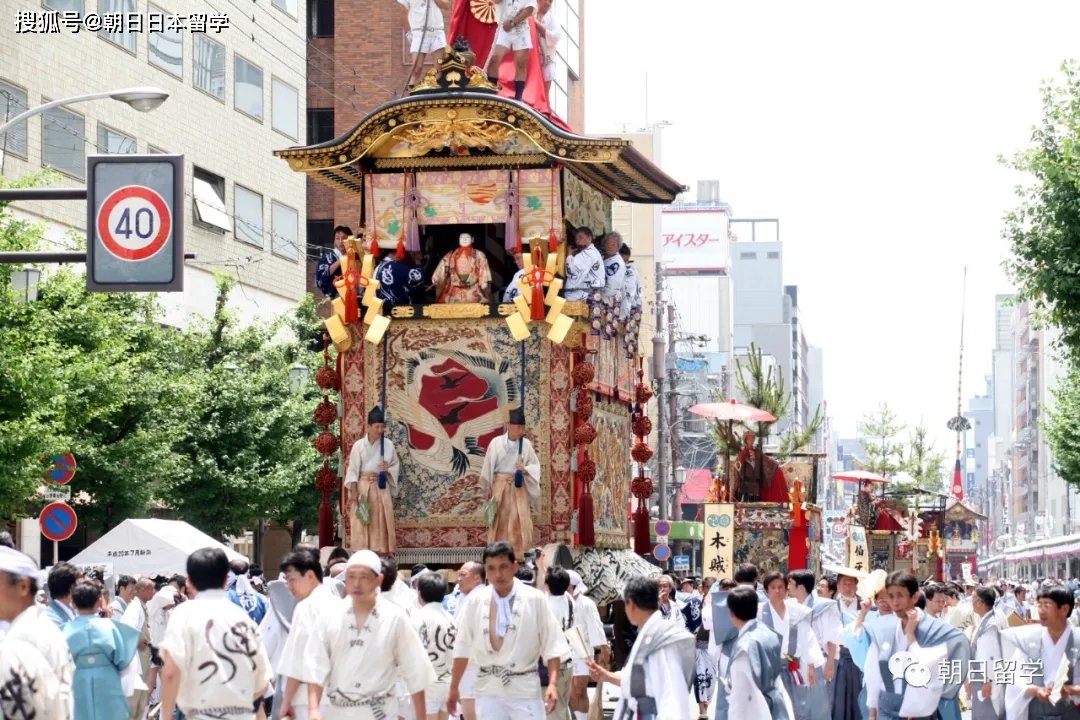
<point x="14" y="562"/>
<point x="365" y="558"/>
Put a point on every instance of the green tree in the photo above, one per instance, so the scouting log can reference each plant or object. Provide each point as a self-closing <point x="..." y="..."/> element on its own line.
<point x="1044" y="229"/>
<point x="884" y="452"/>
<point x="1062" y="429"/>
<point x="81" y="375"/>
<point x="924" y="463"/>
<point x="247" y="447"/>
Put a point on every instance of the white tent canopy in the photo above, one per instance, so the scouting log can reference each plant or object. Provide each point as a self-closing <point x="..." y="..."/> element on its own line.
<point x="149" y="547"/>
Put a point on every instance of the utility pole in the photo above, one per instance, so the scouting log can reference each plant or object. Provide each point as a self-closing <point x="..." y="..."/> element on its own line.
<point x="659" y="374"/>
<point x="673" y="405"/>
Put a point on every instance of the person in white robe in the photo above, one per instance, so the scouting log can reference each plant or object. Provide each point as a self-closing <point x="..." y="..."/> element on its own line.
<point x="587" y="619"/>
<point x="215" y="664"/>
<point x="505" y="629"/>
<point x="632" y="294"/>
<point x="134" y="677"/>
<point x="1045" y="657"/>
<point x="931" y="642"/>
<point x="511" y="477"/>
<point x="29" y="688"/>
<point x="31" y="624"/>
<point x="792" y="621"/>
<point x="585" y="273"/>
<point x="655" y="682"/>
<point x="358" y="653"/>
<point x="670" y="606"/>
<point x="827" y="626"/>
<point x="987" y="696"/>
<point x="514" y="288"/>
<point x="471" y="575"/>
<point x="371" y="484"/>
<point x="556" y="584"/>
<point x="437" y="631"/>
<point x="548" y="29"/>
<point x="614" y="272"/>
<point x="159" y="610"/>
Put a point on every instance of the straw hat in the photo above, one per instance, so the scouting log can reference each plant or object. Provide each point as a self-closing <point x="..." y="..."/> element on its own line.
<point x="872" y="584"/>
<point x="849" y="572"/>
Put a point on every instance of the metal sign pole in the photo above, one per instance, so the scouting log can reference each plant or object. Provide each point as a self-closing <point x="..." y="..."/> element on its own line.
<point x="55" y="552"/>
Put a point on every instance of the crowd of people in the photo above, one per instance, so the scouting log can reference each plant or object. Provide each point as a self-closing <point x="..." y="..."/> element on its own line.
<point x="349" y="637"/>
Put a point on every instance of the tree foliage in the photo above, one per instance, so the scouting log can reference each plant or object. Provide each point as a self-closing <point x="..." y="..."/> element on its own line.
<point x="1062" y="427"/>
<point x="1044" y="229"/>
<point x="924" y="463"/>
<point x="879" y="434"/>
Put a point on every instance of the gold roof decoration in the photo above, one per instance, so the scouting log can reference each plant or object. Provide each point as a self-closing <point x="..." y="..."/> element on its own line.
<point x="960" y="510"/>
<point x="454" y="119"/>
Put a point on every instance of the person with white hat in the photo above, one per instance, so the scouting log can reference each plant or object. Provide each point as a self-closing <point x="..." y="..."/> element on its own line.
<point x="848" y="696"/>
<point x="587" y="618"/>
<point x="511" y="477"/>
<point x="215" y="663"/>
<point x="31" y="624"/>
<point x="359" y="652"/>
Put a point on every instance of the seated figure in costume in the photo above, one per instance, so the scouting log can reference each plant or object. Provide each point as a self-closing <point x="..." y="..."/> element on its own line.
<point x="371" y="484"/>
<point x="923" y="691"/>
<point x="758" y="476"/>
<point x="511" y="475"/>
<point x="463" y="275"/>
<point x="397" y="278"/>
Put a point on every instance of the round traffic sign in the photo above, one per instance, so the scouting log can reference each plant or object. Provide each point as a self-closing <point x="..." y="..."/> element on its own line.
<point x="661" y="552"/>
<point x="58" y="521"/>
<point x="62" y="469"/>
<point x="134" y="222"/>
<point x="663" y="527"/>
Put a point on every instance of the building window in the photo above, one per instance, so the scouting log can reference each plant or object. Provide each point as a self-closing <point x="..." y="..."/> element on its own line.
<point x="69" y="5"/>
<point x="971" y="478"/>
<point x="12" y="102"/>
<point x="971" y="452"/>
<point x="320" y="234"/>
<point x="772" y="255"/>
<point x="155" y="150"/>
<point x="166" y="48"/>
<point x="111" y="142"/>
<point x="209" y="66"/>
<point x="748" y="256"/>
<point x="285" y="109"/>
<point x="320" y="125"/>
<point x="122" y="8"/>
<point x="321" y="18"/>
<point x="284" y="226"/>
<point x="561" y="102"/>
<point x="247" y="88"/>
<point x="63" y="144"/>
<point x="287" y="6"/>
<point x="248" y="213"/>
<point x="208" y="190"/>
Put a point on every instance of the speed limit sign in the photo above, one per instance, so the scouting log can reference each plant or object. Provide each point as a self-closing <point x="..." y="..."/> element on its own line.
<point x="135" y="239"/>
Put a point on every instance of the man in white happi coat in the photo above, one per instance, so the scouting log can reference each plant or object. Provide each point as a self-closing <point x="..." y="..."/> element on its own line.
<point x="437" y="631"/>
<point x="792" y="621"/>
<point x="655" y="682"/>
<point x="614" y="271"/>
<point x="987" y="696"/>
<point x="135" y="677"/>
<point x="587" y="618"/>
<point x="827" y="625"/>
<point x="215" y="665"/>
<point x="20" y="579"/>
<point x="1046" y="657"/>
<point x="359" y="652"/>
<point x="315" y="600"/>
<point x="471" y="576"/>
<point x="371" y="483"/>
<point x="547" y="27"/>
<point x="514" y="289"/>
<point x="424" y="31"/>
<point x="513" y="36"/>
<point x="557" y="586"/>
<point x="505" y="629"/>
<point x="632" y="298"/>
<point x="585" y="272"/>
<point x="29" y="688"/>
<point x="511" y="476"/>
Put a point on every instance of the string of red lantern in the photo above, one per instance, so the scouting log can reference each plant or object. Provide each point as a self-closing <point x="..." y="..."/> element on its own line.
<point x="584" y="435"/>
<point x="326" y="442"/>
<point x="641" y="487"/>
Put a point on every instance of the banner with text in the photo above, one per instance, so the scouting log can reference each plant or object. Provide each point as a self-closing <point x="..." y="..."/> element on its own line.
<point x="719" y="553"/>
<point x="857" y="553"/>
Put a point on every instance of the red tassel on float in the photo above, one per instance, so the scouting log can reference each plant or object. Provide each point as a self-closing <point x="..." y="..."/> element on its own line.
<point x="400" y="252"/>
<point x="553" y="242"/>
<point x="642" y="544"/>
<point x="374" y="249"/>
<point x="586" y="526"/>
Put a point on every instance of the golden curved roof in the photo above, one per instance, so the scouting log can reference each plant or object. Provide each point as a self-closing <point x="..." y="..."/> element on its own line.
<point x="475" y="129"/>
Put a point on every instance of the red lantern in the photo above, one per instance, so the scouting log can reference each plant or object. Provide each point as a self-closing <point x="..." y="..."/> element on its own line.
<point x="584" y="434"/>
<point x="641" y="453"/>
<point x="326" y="443"/>
<point x="642" y="426"/>
<point x="326" y="480"/>
<point x="641" y="488"/>
<point x="642" y="393"/>
<point x="586" y="471"/>
<point x="327" y="378"/>
<point x="325" y="414"/>
<point x="584" y="405"/>
<point x="584" y="372"/>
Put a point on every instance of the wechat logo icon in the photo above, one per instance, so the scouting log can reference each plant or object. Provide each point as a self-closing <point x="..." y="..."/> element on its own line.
<point x="904" y="664"/>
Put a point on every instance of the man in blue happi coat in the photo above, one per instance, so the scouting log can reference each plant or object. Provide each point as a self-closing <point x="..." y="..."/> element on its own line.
<point x="398" y="279"/>
<point x="329" y="265"/>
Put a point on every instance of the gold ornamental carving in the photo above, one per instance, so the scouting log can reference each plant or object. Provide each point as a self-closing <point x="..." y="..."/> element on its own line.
<point x="463" y="311"/>
<point x="403" y="311"/>
<point x="456" y="135"/>
<point x="483" y="10"/>
<point x="576" y="308"/>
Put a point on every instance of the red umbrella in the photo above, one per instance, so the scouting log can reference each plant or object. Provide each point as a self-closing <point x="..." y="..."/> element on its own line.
<point x="732" y="412"/>
<point x="859" y="476"/>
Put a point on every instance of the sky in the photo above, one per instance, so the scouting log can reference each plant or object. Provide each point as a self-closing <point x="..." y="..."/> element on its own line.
<point x="872" y="131"/>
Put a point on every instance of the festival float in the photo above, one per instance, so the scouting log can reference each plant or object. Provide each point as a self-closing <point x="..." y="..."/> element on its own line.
<point x="451" y="158"/>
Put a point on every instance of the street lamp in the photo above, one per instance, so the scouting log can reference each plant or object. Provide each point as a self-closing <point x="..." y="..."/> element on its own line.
<point x="25" y="284"/>
<point x="298" y="376"/>
<point x="142" y="99"/>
